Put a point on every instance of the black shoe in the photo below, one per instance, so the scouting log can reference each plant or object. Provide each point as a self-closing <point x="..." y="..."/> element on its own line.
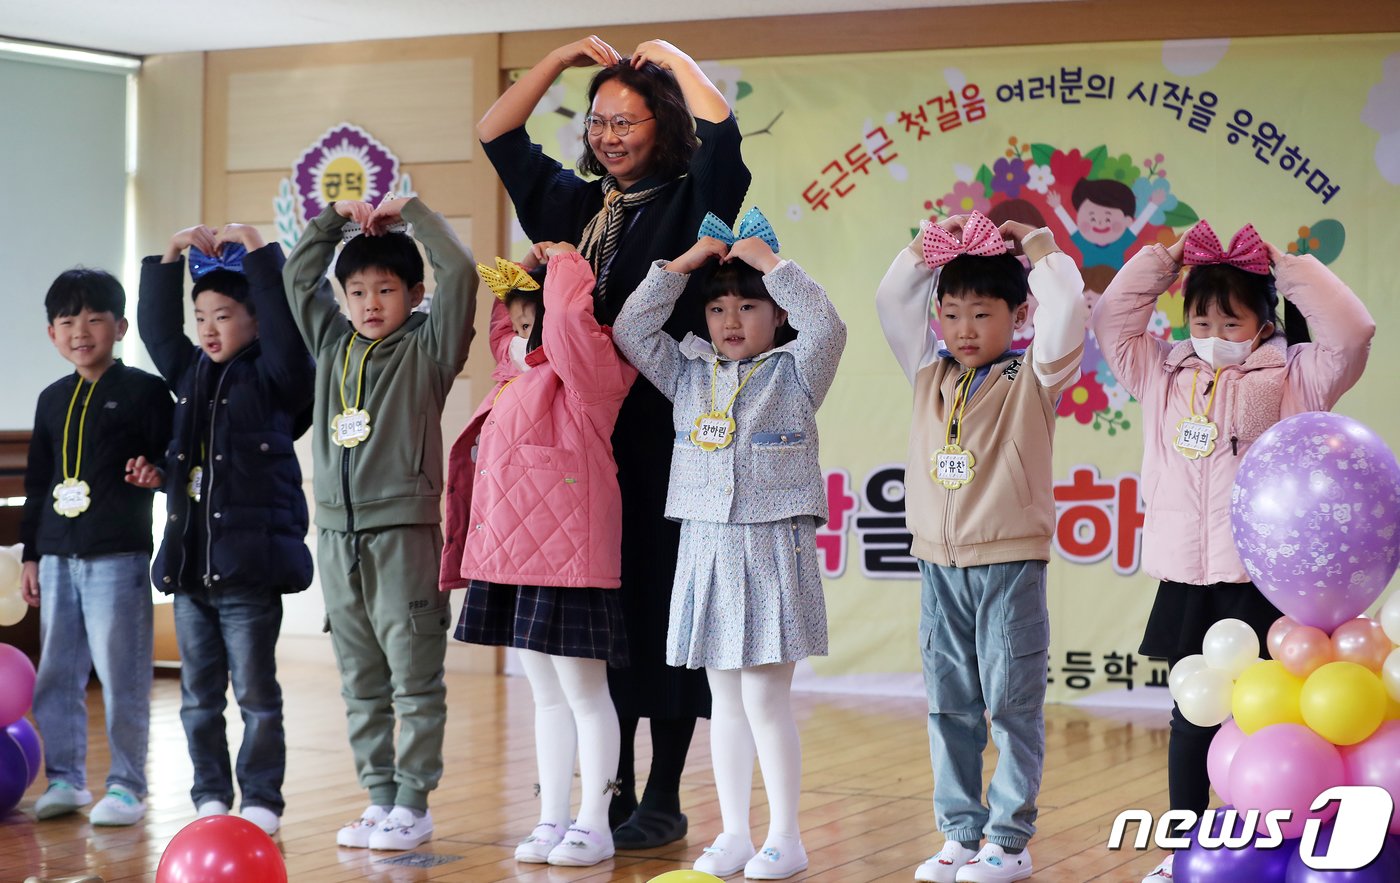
<point x="648" y="829"/>
<point x="620" y="809"/>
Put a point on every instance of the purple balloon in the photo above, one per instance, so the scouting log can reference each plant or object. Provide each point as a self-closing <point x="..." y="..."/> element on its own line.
<point x="1385" y="869"/>
<point x="1315" y="510"/>
<point x="1196" y="864"/>
<point x="14" y="774"/>
<point x="22" y="731"/>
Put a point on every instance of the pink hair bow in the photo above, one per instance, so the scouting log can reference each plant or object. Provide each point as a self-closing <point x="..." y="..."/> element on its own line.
<point x="1246" y="249"/>
<point x="980" y="237"/>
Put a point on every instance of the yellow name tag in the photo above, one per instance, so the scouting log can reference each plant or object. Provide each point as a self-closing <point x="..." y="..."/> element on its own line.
<point x="196" y="484"/>
<point x="71" y="498"/>
<point x="952" y="467"/>
<point x="350" y="427"/>
<point x="712" y="431"/>
<point x="1195" y="437"/>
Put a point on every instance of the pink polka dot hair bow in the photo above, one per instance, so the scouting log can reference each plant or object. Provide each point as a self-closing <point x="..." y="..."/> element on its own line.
<point x="1246" y="251"/>
<point x="980" y="237"/>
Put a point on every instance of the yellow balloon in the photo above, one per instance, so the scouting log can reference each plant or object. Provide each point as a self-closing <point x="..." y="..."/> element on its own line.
<point x="1266" y="693"/>
<point x="686" y="876"/>
<point x="1343" y="702"/>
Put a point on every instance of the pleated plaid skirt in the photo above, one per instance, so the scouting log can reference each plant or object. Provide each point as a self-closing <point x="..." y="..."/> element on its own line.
<point x="581" y="622"/>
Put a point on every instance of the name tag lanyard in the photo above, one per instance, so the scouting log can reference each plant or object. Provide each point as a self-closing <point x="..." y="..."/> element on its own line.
<point x="953" y="464"/>
<point x="352" y="425"/>
<point x="72" y="497"/>
<point x="715" y="430"/>
<point x="1195" y="433"/>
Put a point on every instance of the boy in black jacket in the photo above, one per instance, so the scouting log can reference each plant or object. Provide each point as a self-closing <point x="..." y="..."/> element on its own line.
<point x="87" y="548"/>
<point x="235" y="535"/>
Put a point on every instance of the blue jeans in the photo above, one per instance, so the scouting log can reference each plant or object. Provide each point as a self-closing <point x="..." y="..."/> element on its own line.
<point x="232" y="633"/>
<point x="984" y="633"/>
<point x="95" y="613"/>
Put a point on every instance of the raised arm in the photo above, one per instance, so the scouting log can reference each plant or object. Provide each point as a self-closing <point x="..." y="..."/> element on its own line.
<point x="640" y="329"/>
<point x="1063" y="314"/>
<point x="903" y="302"/>
<point x="516" y="104"/>
<point x="581" y="352"/>
<point x="704" y="100"/>
<point x="1121" y="316"/>
<point x="448" y="333"/>
<point x="309" y="293"/>
<point x="160" y="309"/>
<point x="1319" y="373"/>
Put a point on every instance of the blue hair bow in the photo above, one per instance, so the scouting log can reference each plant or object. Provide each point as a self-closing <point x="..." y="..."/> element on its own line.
<point x="230" y="258"/>
<point x="752" y="225"/>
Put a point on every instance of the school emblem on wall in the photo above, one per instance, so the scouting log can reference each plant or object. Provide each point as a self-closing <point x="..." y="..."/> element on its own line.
<point x="345" y="163"/>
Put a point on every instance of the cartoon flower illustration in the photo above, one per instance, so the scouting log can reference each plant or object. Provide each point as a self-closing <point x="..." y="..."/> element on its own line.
<point x="1144" y="188"/>
<point x="345" y="163"/>
<point x="1120" y="168"/>
<point x="1083" y="400"/>
<point x="1117" y="397"/>
<point x="727" y="78"/>
<point x="967" y="196"/>
<point x="1068" y="168"/>
<point x="1009" y="176"/>
<point x="1159" y="325"/>
<point x="1104" y="375"/>
<point x="794" y="212"/>
<point x="1039" y="178"/>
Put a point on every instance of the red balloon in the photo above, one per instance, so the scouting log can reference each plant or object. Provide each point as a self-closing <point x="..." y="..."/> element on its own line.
<point x="221" y="849"/>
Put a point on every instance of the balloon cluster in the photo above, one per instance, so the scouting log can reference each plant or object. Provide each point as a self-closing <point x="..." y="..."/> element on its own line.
<point x="1316" y="516"/>
<point x="20" y="756"/>
<point x="12" y="603"/>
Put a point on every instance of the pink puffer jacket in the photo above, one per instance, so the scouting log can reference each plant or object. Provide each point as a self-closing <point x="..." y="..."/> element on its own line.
<point x="1187" y="536"/>
<point x="532" y="494"/>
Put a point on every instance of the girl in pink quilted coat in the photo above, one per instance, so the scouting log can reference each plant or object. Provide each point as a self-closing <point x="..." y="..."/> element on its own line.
<point x="534" y="528"/>
<point x="1204" y="401"/>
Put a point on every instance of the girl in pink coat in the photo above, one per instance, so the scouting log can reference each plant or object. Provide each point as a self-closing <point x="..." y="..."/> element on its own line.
<point x="1204" y="401"/>
<point x="534" y="528"/>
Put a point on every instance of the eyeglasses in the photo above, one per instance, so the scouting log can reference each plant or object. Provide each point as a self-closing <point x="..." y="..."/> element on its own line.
<point x="619" y="125"/>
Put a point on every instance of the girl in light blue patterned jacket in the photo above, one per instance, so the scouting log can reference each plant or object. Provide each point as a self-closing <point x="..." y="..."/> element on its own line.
<point x="747" y="488"/>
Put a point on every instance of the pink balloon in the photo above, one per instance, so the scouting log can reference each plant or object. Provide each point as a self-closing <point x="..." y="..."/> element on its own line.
<point x="16" y="684"/>
<point x="1304" y="650"/>
<point x="1285" y="766"/>
<point x="1376" y="761"/>
<point x="1281" y="627"/>
<point x="1223" y="746"/>
<point x="1363" y="641"/>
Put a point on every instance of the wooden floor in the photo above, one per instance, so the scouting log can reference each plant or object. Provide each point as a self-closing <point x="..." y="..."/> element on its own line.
<point x="866" y="812"/>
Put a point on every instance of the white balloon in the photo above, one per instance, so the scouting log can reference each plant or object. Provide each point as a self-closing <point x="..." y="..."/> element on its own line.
<point x="10" y="570"/>
<point x="1188" y="666"/>
<point x="1390" y="617"/>
<point x="1230" y="646"/>
<point x="1205" y="697"/>
<point x="1390" y="674"/>
<point x="12" y="609"/>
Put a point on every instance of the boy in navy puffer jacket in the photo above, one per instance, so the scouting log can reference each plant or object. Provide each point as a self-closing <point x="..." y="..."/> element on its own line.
<point x="235" y="534"/>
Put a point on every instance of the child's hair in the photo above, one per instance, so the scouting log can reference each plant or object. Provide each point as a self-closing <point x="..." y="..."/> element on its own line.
<point x="1105" y="192"/>
<point x="738" y="278"/>
<point x="395" y="252"/>
<point x="85" y="288"/>
<point x="1098" y="277"/>
<point x="1000" y="276"/>
<point x="1226" y="287"/>
<point x="229" y="283"/>
<point x="535" y="297"/>
<point x="1018" y="210"/>
<point x="675" y="142"/>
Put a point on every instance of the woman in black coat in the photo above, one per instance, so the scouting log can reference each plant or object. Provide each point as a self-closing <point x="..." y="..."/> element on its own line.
<point x="664" y="146"/>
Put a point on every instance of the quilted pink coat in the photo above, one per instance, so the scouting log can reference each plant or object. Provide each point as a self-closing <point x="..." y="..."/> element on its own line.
<point x="1187" y="536"/>
<point x="532" y="494"/>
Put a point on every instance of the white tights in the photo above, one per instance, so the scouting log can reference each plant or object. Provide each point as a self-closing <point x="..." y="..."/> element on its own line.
<point x="753" y="710"/>
<point x="572" y="704"/>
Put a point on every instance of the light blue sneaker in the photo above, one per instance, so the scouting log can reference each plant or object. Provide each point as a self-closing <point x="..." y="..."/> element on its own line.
<point x="119" y="807"/>
<point x="60" y="799"/>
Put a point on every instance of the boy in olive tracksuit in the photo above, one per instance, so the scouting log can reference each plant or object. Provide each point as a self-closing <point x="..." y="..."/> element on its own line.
<point x="382" y="376"/>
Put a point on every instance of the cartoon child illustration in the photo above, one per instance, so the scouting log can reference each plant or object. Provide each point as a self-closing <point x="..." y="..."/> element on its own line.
<point x="1104" y="226"/>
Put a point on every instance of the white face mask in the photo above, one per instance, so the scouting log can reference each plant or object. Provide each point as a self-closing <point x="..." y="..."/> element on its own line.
<point x="517" y="352"/>
<point x="1221" y="353"/>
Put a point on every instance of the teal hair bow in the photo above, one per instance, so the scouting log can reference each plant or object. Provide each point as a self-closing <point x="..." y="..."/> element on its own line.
<point x="752" y="225"/>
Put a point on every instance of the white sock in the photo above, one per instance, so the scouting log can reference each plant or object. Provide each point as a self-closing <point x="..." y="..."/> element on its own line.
<point x="768" y="706"/>
<point x="731" y="750"/>
<point x="554" y="737"/>
<point x="585" y="683"/>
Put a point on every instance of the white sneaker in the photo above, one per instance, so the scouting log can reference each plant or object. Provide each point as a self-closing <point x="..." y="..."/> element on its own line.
<point x="61" y="799"/>
<point x="777" y="860"/>
<point x="211" y="808"/>
<point x="535" y="848"/>
<point x="582" y="848"/>
<point x="263" y="817"/>
<point x="727" y="856"/>
<point x="401" y="830"/>
<point x="355" y="834"/>
<point x="118" y="808"/>
<point x="992" y="864"/>
<point x="1163" y="872"/>
<point x="944" y="867"/>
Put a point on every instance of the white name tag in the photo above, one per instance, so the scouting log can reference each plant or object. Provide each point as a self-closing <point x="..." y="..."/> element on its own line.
<point x="712" y="431"/>
<point x="1195" y="437"/>
<point x="952" y="467"/>
<point x="196" y="485"/>
<point x="71" y="498"/>
<point x="350" y="427"/>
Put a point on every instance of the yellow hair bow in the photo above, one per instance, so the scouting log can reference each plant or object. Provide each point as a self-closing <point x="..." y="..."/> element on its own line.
<point x="507" y="277"/>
